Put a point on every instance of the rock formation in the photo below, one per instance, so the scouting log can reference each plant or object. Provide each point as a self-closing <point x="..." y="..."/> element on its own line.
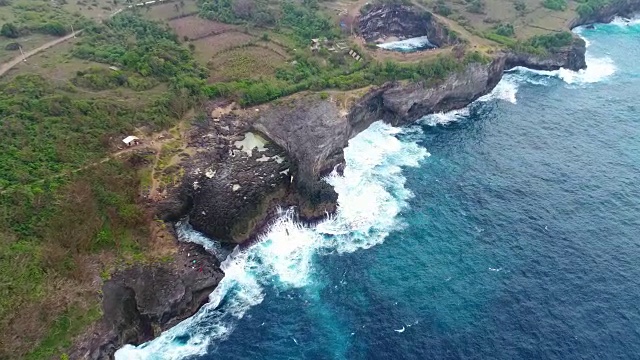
<point x="403" y="22"/>
<point x="142" y="301"/>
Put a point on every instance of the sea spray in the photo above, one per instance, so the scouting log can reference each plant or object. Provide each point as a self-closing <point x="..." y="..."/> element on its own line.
<point x="371" y="194"/>
<point x="408" y="45"/>
<point x="599" y="68"/>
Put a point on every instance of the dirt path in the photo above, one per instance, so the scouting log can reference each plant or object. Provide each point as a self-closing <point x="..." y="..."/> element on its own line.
<point x="9" y="65"/>
<point x="17" y="60"/>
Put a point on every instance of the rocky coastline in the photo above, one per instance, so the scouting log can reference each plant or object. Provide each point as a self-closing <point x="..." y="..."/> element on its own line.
<point x="251" y="162"/>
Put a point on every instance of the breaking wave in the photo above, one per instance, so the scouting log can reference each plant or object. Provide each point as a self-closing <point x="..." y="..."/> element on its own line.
<point x="598" y="69"/>
<point x="408" y="45"/>
<point x="371" y="194"/>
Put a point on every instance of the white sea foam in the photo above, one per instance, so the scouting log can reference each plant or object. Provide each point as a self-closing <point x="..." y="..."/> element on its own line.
<point x="598" y="69"/>
<point x="370" y="195"/>
<point x="411" y="44"/>
<point x="444" y="118"/>
<point x="625" y="22"/>
<point x="506" y="90"/>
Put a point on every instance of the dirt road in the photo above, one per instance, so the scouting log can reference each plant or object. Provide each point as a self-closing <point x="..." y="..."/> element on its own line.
<point x="9" y="65"/>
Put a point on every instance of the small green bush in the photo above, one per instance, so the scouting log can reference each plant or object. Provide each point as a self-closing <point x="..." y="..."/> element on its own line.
<point x="557" y="5"/>
<point x="9" y="30"/>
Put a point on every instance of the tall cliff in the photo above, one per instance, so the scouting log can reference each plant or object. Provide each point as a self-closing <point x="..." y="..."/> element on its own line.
<point x="402" y="103"/>
<point x="230" y="195"/>
<point x="608" y="12"/>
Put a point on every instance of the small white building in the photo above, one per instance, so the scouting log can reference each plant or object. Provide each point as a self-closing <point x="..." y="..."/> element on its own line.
<point x="131" y="140"/>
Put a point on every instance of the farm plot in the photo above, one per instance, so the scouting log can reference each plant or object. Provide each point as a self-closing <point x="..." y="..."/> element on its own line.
<point x="208" y="47"/>
<point x="171" y="10"/>
<point x="194" y="28"/>
<point x="249" y="62"/>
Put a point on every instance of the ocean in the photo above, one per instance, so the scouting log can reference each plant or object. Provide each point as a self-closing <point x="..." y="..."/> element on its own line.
<point x="506" y="230"/>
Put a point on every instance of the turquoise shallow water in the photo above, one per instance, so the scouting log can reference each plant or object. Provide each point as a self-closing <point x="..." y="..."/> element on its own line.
<point x="507" y="230"/>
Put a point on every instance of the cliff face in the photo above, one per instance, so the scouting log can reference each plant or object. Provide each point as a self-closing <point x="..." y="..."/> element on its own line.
<point x="230" y="193"/>
<point x="140" y="302"/>
<point x="313" y="132"/>
<point x="403" y="103"/>
<point x="403" y="21"/>
<point x="608" y="12"/>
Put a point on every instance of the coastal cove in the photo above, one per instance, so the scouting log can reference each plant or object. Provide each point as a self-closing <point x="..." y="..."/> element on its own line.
<point x="274" y="259"/>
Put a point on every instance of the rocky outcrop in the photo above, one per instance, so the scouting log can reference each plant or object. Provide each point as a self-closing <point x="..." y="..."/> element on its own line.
<point x="232" y="183"/>
<point x="402" y="103"/>
<point x="314" y="133"/>
<point x="142" y="301"/>
<point x="403" y="22"/>
<point x="608" y="12"/>
<point x="230" y="193"/>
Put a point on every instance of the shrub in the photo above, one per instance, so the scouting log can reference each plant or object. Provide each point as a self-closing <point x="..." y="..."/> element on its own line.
<point x="551" y="41"/>
<point x="476" y="6"/>
<point x="585" y="10"/>
<point x="520" y="6"/>
<point x="53" y="28"/>
<point x="504" y="30"/>
<point x="9" y="30"/>
<point x="557" y="5"/>
<point x="442" y="8"/>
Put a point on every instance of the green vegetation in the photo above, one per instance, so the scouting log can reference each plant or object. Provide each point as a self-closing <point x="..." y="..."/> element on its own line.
<point x="476" y="6"/>
<point x="307" y="75"/>
<point x="589" y="7"/>
<point x="442" y="8"/>
<point x="48" y="130"/>
<point x="9" y="30"/>
<point x="141" y="46"/>
<point x="59" y="205"/>
<point x="70" y="324"/>
<point x="538" y="45"/>
<point x="504" y="30"/>
<point x="307" y="23"/>
<point x="520" y="6"/>
<point x="97" y="78"/>
<point x="551" y="41"/>
<point x="40" y="16"/>
<point x="558" y="5"/>
<point x="237" y="11"/>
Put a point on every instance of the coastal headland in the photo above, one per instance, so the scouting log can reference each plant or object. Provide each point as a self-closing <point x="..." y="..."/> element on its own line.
<point x="239" y="116"/>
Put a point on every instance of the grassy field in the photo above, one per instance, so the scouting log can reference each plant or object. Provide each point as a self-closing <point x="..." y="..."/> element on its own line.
<point x="194" y="27"/>
<point x="170" y="10"/>
<point x="251" y="62"/>
<point x="528" y="17"/>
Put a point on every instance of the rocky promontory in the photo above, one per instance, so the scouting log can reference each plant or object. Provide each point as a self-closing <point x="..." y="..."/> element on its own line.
<point x="140" y="302"/>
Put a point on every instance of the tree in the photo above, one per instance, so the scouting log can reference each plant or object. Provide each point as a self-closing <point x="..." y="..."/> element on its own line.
<point x="9" y="30"/>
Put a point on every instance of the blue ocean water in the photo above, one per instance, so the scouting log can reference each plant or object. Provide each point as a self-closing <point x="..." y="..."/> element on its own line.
<point x="506" y="230"/>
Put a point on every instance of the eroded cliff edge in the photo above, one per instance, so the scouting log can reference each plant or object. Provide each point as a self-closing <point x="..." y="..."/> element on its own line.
<point x="229" y="193"/>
